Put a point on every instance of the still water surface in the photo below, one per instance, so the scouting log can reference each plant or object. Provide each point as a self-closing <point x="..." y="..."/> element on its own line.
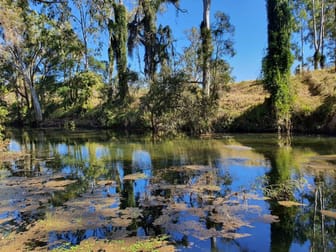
<point x="232" y="193"/>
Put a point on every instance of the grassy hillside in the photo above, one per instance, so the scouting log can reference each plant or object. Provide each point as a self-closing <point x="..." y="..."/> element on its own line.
<point x="244" y="108"/>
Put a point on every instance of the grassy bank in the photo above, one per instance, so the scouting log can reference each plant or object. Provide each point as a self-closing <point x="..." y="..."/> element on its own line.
<point x="244" y="107"/>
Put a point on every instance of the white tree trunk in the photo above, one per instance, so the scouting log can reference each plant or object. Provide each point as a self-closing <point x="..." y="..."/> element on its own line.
<point x="206" y="13"/>
<point x="206" y="59"/>
<point x="35" y="100"/>
<point x="318" y="30"/>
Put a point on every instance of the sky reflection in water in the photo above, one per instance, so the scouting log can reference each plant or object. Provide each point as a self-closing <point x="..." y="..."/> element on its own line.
<point x="235" y="165"/>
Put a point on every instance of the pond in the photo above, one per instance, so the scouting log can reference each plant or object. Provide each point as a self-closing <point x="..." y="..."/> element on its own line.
<point x="228" y="193"/>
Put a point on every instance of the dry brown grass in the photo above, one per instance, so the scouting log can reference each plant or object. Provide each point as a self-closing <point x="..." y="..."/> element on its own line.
<point x="310" y="89"/>
<point x="241" y="97"/>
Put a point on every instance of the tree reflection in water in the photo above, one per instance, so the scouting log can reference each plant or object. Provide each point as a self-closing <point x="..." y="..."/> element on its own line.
<point x="198" y="191"/>
<point x="311" y="183"/>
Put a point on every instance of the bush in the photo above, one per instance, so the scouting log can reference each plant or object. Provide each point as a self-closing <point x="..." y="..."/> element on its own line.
<point x="3" y="116"/>
<point x="125" y="116"/>
<point x="78" y="90"/>
<point x="173" y="105"/>
<point x="198" y="112"/>
<point x="163" y="103"/>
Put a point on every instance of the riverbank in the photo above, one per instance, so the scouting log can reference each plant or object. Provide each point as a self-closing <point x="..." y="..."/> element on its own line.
<point x="242" y="108"/>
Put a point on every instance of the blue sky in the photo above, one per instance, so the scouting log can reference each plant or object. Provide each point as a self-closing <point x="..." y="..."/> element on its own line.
<point x="249" y="19"/>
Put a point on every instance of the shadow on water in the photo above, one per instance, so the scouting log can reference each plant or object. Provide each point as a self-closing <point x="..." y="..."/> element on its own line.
<point x="205" y="194"/>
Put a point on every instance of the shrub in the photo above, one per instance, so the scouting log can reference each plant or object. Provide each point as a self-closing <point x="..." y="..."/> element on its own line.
<point x="162" y="104"/>
<point x="3" y="116"/>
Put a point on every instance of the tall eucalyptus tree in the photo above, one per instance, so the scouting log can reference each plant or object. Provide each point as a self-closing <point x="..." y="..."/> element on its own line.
<point x="318" y="26"/>
<point x="206" y="47"/>
<point x="16" y="28"/>
<point x="119" y="43"/>
<point x="85" y="25"/>
<point x="30" y="44"/>
<point x="143" y="29"/>
<point x="300" y="26"/>
<point x="113" y="16"/>
<point x="315" y="22"/>
<point x="331" y="31"/>
<point x="278" y="61"/>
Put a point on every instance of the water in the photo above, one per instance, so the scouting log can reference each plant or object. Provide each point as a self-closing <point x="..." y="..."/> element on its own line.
<point x="223" y="194"/>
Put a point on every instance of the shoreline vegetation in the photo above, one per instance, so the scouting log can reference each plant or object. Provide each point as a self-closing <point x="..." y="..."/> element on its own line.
<point x="242" y="107"/>
<point x="70" y="65"/>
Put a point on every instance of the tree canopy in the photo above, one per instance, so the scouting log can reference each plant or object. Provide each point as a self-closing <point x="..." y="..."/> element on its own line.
<point x="58" y="55"/>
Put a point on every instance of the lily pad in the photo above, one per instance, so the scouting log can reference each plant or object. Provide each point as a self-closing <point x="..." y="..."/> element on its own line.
<point x="196" y="167"/>
<point x="268" y="218"/>
<point x="231" y="235"/>
<point x="135" y="176"/>
<point x="59" y="184"/>
<point x="290" y="203"/>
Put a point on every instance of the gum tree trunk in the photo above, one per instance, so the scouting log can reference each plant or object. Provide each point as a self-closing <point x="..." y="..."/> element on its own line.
<point x="35" y="100"/>
<point x="206" y="47"/>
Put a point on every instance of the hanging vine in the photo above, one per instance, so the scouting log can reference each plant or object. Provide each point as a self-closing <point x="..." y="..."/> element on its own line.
<point x="118" y="48"/>
<point x="277" y="63"/>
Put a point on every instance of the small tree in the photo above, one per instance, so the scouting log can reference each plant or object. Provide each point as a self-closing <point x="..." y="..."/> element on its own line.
<point x="77" y="91"/>
<point x="3" y="114"/>
<point x="21" y="48"/>
<point x="164" y="101"/>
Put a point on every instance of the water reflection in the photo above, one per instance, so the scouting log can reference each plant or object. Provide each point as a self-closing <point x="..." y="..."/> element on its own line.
<point x="282" y="232"/>
<point x="206" y="194"/>
<point x="304" y="227"/>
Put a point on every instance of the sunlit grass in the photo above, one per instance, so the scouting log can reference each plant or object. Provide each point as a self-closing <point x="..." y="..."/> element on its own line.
<point x="128" y="245"/>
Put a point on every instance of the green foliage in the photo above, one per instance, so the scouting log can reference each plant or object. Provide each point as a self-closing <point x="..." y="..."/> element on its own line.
<point x="3" y="111"/>
<point x="283" y="101"/>
<point x="282" y="190"/>
<point x="277" y="63"/>
<point x="3" y="117"/>
<point x="222" y="31"/>
<point x="39" y="50"/>
<point x="156" y="41"/>
<point x="163" y="103"/>
<point x="149" y="28"/>
<point x="199" y="112"/>
<point x="147" y="245"/>
<point x="70" y="125"/>
<point x="190" y="60"/>
<point x="209" y="64"/>
<point x="67" y="247"/>
<point x="78" y="90"/>
<point x="220" y="77"/>
<point x="123" y="116"/>
<point x="206" y="52"/>
<point x="118" y="45"/>
<point x="173" y="105"/>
